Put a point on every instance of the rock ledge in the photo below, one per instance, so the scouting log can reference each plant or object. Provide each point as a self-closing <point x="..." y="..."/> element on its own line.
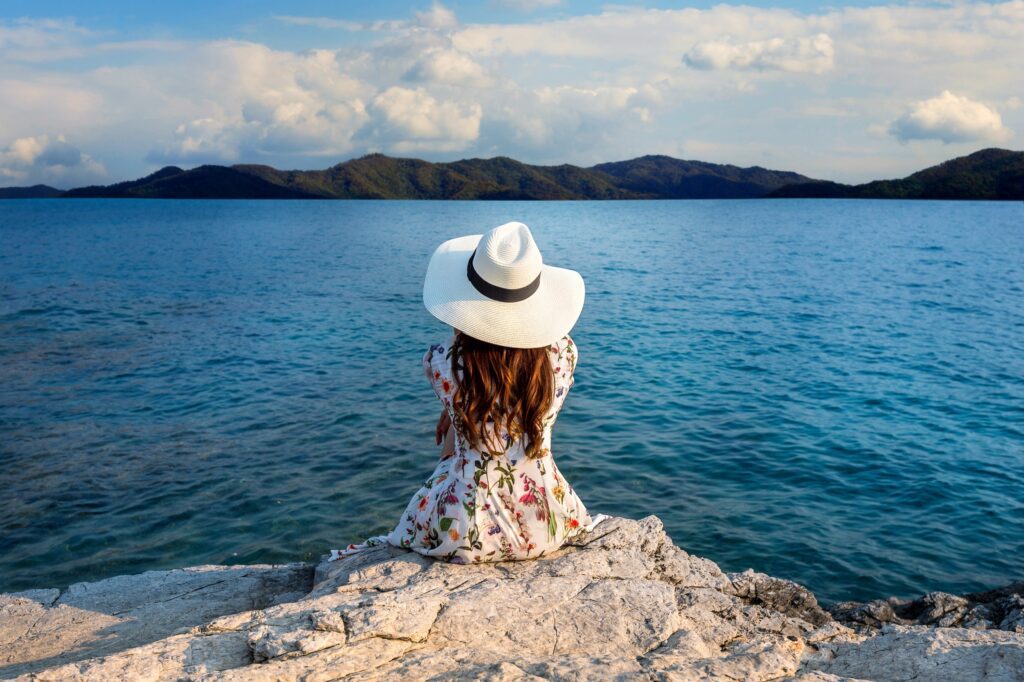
<point x="621" y="603"/>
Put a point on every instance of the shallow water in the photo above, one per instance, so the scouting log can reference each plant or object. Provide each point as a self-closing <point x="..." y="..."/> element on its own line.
<point x="828" y="391"/>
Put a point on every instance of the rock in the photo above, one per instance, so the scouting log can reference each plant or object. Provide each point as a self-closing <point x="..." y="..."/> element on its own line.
<point x="1012" y="611"/>
<point x="818" y="676"/>
<point x="34" y="636"/>
<point x="784" y="596"/>
<point x="172" y="658"/>
<point x="394" y="616"/>
<point x="935" y="608"/>
<point x="832" y="632"/>
<point x="46" y="597"/>
<point x="989" y="596"/>
<point x="622" y="602"/>
<point x="926" y="654"/>
<point x="864" y="615"/>
<point x="999" y="609"/>
<point x="41" y="629"/>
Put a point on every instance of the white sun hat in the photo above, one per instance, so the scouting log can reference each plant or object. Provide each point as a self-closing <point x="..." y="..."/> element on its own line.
<point x="496" y="288"/>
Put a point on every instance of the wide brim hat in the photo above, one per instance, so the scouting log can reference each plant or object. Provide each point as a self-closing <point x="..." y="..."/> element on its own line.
<point x="495" y="287"/>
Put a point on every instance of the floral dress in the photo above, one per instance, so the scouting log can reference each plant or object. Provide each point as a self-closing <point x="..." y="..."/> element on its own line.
<point x="496" y="505"/>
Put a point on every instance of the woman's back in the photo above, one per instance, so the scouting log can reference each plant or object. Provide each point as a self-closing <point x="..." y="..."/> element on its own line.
<point x="496" y="494"/>
<point x="493" y="503"/>
<point x="560" y="363"/>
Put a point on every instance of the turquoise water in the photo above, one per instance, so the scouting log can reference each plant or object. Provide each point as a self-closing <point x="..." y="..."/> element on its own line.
<point x="829" y="391"/>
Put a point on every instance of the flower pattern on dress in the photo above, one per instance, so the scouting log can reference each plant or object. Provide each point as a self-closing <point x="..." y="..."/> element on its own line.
<point x="490" y="504"/>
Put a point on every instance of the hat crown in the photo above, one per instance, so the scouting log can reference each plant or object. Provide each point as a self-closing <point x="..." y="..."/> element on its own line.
<point x="508" y="257"/>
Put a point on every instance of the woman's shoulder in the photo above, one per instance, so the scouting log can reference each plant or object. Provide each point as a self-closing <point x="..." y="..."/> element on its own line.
<point x="562" y="344"/>
<point x="437" y="359"/>
<point x="437" y="350"/>
<point x="437" y="368"/>
<point x="564" y="353"/>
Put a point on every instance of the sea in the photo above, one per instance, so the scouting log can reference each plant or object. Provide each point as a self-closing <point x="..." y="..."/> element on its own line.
<point x="829" y="391"/>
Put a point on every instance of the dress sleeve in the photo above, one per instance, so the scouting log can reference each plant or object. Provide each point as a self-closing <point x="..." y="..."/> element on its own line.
<point x="438" y="371"/>
<point x="564" y="359"/>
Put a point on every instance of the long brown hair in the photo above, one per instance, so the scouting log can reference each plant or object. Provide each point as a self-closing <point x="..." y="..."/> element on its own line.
<point x="501" y="388"/>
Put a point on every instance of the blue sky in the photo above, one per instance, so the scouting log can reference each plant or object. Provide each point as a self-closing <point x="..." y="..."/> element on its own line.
<point x="104" y="91"/>
<point x="206" y="19"/>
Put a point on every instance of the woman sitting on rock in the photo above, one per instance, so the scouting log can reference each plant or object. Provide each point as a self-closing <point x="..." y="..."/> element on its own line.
<point x="496" y="494"/>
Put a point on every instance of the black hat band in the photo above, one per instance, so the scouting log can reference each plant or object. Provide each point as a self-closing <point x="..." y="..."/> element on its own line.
<point x="497" y="293"/>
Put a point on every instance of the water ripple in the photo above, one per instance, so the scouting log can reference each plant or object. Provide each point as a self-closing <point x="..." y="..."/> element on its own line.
<point x="827" y="391"/>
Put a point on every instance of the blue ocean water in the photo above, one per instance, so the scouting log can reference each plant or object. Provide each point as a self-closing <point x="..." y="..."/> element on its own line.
<point x="829" y="391"/>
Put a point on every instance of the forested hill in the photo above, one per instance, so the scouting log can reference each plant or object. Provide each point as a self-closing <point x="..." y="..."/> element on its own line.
<point x="33" y="192"/>
<point x="985" y="174"/>
<point x="377" y="176"/>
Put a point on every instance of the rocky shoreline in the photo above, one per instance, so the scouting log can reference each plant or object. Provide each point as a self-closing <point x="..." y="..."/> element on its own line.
<point x="621" y="603"/>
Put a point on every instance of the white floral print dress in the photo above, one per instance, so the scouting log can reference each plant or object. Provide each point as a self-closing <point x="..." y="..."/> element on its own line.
<point x="491" y="506"/>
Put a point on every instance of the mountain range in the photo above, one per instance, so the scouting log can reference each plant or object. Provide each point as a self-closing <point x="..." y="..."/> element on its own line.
<point x="986" y="174"/>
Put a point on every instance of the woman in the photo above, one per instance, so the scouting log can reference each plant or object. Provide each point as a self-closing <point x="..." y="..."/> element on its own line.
<point x="496" y="494"/>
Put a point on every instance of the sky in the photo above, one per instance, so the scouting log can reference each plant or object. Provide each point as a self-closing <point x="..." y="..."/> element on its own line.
<point x="99" y="92"/>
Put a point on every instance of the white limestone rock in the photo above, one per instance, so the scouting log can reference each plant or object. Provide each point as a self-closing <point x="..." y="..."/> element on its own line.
<point x="926" y="654"/>
<point x="96" y="619"/>
<point x="622" y="602"/>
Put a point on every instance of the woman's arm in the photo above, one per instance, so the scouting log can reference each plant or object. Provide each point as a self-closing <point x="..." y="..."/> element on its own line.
<point x="443" y="423"/>
<point x="445" y="432"/>
<point x="448" y="450"/>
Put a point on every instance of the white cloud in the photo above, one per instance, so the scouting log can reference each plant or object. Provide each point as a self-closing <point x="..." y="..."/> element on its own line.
<point x="49" y="160"/>
<point x="949" y="118"/>
<point x="263" y="102"/>
<point x="203" y="140"/>
<point x="41" y="40"/>
<point x="323" y="22"/>
<point x="38" y="33"/>
<point x="531" y="5"/>
<point x="545" y="117"/>
<point x="554" y="125"/>
<point x="443" y="65"/>
<point x="640" y="35"/>
<point x="438" y="17"/>
<point x="329" y="23"/>
<point x="620" y="82"/>
<point x="408" y="120"/>
<point x="810" y="55"/>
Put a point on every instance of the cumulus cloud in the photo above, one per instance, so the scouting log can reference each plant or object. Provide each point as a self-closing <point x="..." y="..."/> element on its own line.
<point x="807" y="54"/>
<point x="949" y="118"/>
<point x="541" y="124"/>
<point x="269" y="102"/>
<point x="45" y="159"/>
<point x="578" y="87"/>
<point x="438" y="16"/>
<point x="203" y="140"/>
<point x="408" y="120"/>
<point x="441" y="65"/>
<point x="640" y="35"/>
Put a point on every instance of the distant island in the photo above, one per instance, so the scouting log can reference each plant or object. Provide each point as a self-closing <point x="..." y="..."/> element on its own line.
<point x="986" y="174"/>
<point x="33" y="192"/>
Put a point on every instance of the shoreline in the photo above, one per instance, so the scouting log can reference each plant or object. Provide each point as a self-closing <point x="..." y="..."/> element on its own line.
<point x="623" y="601"/>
